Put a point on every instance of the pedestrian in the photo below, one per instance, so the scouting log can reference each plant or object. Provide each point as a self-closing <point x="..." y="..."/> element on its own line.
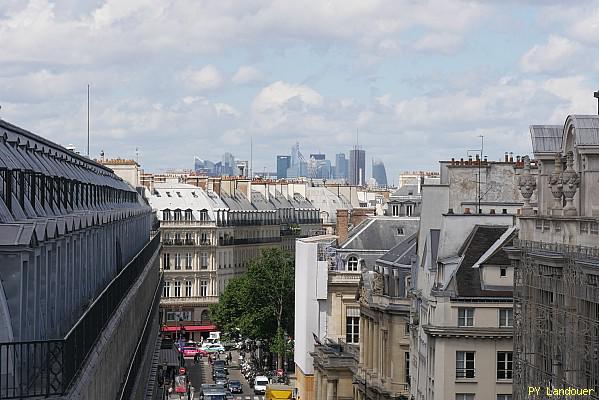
<point x="196" y="358"/>
<point x="230" y="357"/>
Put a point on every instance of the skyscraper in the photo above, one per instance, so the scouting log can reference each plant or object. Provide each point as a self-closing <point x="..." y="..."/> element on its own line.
<point x="379" y="173"/>
<point x="340" y="166"/>
<point x="357" y="167"/>
<point x="283" y="163"/>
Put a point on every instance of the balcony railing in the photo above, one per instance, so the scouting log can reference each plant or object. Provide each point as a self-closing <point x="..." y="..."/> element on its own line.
<point x="233" y="242"/>
<point x="344" y="277"/>
<point x="49" y="367"/>
<point x="186" y="223"/>
<point x="188" y="300"/>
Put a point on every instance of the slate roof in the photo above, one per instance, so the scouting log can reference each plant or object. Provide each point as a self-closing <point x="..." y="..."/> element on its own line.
<point x="260" y="202"/>
<point x="546" y="138"/>
<point x="587" y="129"/>
<point x="467" y="278"/>
<point x="401" y="254"/>
<point x="379" y="233"/>
<point x="237" y="202"/>
<point x="406" y="190"/>
<point x="184" y="197"/>
<point x="325" y="200"/>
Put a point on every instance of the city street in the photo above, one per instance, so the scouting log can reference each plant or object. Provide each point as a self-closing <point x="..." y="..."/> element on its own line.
<point x="202" y="373"/>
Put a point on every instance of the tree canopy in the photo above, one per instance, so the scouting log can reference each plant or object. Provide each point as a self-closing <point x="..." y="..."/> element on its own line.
<point x="259" y="303"/>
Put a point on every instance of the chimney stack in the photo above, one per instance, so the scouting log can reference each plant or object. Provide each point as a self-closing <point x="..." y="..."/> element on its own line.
<point x="511" y="157"/>
<point x="342" y="225"/>
<point x="507" y="157"/>
<point x="467" y="210"/>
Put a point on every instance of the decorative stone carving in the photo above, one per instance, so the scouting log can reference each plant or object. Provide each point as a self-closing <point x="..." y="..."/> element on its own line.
<point x="527" y="184"/>
<point x="378" y="285"/>
<point x="556" y="184"/>
<point x="570" y="182"/>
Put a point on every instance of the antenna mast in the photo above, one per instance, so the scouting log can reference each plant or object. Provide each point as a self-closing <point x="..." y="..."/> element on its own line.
<point x="251" y="155"/>
<point x="88" y="120"/>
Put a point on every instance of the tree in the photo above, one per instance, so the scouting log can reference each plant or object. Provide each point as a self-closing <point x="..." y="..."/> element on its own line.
<point x="261" y="302"/>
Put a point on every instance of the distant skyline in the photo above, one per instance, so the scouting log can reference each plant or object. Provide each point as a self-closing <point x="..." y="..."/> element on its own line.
<point x="420" y="80"/>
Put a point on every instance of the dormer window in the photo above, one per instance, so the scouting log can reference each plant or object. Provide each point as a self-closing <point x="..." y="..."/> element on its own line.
<point x="352" y="263"/>
<point x="179" y="194"/>
<point x="177" y="215"/>
<point x="400" y="232"/>
<point x="168" y="194"/>
<point x="166" y="215"/>
<point x="188" y="215"/>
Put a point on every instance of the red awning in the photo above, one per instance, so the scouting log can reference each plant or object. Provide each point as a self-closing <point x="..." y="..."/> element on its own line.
<point x="190" y="328"/>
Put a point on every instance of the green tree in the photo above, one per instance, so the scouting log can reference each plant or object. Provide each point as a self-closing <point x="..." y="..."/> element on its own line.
<point x="261" y="302"/>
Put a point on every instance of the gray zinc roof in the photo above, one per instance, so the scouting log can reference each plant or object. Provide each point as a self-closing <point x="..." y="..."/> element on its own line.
<point x="380" y="233"/>
<point x="546" y="138"/>
<point x="402" y="253"/>
<point x="587" y="129"/>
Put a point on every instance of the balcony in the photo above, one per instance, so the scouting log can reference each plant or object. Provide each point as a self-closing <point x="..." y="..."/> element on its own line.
<point x="583" y="231"/>
<point x="344" y="277"/>
<point x="186" y="223"/>
<point x="171" y="301"/>
<point x="186" y="242"/>
<point x="234" y="242"/>
<point x="383" y="301"/>
<point x="49" y="367"/>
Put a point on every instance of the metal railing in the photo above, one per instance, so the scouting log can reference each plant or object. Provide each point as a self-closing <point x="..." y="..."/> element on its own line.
<point x="49" y="367"/>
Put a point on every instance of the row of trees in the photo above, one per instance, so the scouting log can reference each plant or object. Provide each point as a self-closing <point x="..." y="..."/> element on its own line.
<point x="260" y="303"/>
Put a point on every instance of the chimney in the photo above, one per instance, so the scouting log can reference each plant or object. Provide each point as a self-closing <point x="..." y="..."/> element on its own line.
<point x="461" y="161"/>
<point x="507" y="157"/>
<point x="467" y="210"/>
<point x="492" y="211"/>
<point x="342" y="225"/>
<point x="360" y="214"/>
<point x="504" y="211"/>
<point x="216" y="185"/>
<point x="511" y="157"/>
<point x="469" y="160"/>
<point x="452" y="161"/>
<point x="450" y="211"/>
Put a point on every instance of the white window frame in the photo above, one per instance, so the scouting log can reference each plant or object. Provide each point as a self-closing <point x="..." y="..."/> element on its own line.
<point x="177" y="289"/>
<point x="461" y="361"/>
<point x="505" y="365"/>
<point x="352" y="325"/>
<point x="203" y="288"/>
<point x="464" y="396"/>
<point x="177" y="260"/>
<point x="204" y="259"/>
<point x="352" y="263"/>
<point x="188" y="261"/>
<point x="188" y="289"/>
<point x="506" y="320"/>
<point x="166" y="289"/>
<point x="464" y="319"/>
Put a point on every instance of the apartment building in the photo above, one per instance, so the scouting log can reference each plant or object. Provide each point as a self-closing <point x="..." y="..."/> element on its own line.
<point x="557" y="258"/>
<point x="79" y="283"/>
<point x="211" y="231"/>
<point x="462" y="308"/>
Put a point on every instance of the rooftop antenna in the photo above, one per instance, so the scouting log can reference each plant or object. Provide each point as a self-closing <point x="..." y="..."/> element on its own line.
<point x="137" y="155"/>
<point x="88" y="120"/>
<point x="251" y="154"/>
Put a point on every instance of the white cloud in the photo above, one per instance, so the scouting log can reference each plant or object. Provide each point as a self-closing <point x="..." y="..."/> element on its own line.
<point x="247" y="74"/>
<point x="205" y="78"/>
<point x="225" y="109"/>
<point x="554" y="56"/>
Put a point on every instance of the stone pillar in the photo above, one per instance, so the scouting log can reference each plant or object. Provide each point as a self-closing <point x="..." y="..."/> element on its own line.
<point x="376" y="348"/>
<point x="331" y="390"/>
<point x="362" y="340"/>
<point x="316" y="384"/>
<point x="323" y="388"/>
<point x="371" y="344"/>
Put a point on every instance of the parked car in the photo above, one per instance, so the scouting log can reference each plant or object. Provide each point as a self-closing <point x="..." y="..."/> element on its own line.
<point x="260" y="383"/>
<point x="235" y="387"/>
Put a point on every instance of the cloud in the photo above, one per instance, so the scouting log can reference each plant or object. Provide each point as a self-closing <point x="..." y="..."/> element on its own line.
<point x="223" y="109"/>
<point x="247" y="74"/>
<point x="554" y="56"/>
<point x="205" y="78"/>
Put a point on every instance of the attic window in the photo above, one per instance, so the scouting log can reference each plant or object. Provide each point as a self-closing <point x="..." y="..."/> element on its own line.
<point x="502" y="271"/>
<point x="194" y="194"/>
<point x="410" y="193"/>
<point x="179" y="194"/>
<point x="157" y="193"/>
<point x="399" y="231"/>
<point x="168" y="194"/>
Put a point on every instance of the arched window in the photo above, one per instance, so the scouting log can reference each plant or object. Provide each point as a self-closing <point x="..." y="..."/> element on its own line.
<point x="352" y="263"/>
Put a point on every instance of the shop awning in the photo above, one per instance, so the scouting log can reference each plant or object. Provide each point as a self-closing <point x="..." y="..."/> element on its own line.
<point x="190" y="328"/>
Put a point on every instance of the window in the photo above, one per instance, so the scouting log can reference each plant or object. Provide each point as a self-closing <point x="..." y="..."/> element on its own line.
<point x="188" y="261"/>
<point x="166" y="215"/>
<point x="400" y="231"/>
<point x="204" y="238"/>
<point x="166" y="290"/>
<point x="166" y="261"/>
<point x="203" y="288"/>
<point x="168" y="194"/>
<point x="409" y="210"/>
<point x="407" y="329"/>
<point x="177" y="289"/>
<point x="464" y="364"/>
<point x="188" y="215"/>
<point x="503" y="272"/>
<point x="204" y="260"/>
<point x="506" y="318"/>
<point x="504" y="397"/>
<point x="395" y="210"/>
<point x="352" y="325"/>
<point x="464" y="396"/>
<point x="465" y="316"/>
<point x="177" y="261"/>
<point x="407" y="361"/>
<point x="504" y="365"/>
<point x="352" y="263"/>
<point x="188" y="289"/>
<point x="177" y="215"/>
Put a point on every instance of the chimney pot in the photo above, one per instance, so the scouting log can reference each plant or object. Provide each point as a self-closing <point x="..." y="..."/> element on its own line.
<point x="492" y="211"/>
<point x="507" y="157"/>
<point x="467" y="210"/>
<point x="504" y="211"/>
<point x="450" y="211"/>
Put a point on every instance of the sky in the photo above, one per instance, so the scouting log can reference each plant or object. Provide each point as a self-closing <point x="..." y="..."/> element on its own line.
<point x="420" y="80"/>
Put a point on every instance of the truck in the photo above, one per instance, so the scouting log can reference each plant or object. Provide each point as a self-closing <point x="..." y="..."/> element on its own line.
<point x="278" y="392"/>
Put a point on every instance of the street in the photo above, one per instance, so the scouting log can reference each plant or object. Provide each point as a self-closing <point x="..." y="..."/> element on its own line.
<point x="202" y="373"/>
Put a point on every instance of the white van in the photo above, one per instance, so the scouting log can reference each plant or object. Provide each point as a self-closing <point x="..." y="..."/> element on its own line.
<point x="260" y="383"/>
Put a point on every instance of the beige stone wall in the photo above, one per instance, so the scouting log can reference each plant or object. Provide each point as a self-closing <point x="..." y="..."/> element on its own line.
<point x="304" y="385"/>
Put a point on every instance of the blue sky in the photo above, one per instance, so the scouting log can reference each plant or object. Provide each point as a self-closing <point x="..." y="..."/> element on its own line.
<point x="421" y="80"/>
